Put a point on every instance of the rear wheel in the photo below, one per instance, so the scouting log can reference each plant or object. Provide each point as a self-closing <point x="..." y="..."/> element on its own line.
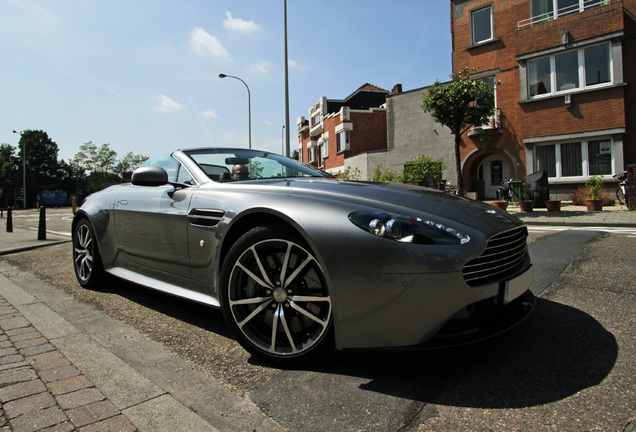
<point x="275" y="298"/>
<point x="86" y="260"/>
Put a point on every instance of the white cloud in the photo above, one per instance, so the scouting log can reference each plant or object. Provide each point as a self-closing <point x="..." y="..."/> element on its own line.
<point x="165" y="104"/>
<point x="206" y="44"/>
<point x="261" y="67"/>
<point x="295" y="65"/>
<point x="209" y="114"/>
<point x="239" y="25"/>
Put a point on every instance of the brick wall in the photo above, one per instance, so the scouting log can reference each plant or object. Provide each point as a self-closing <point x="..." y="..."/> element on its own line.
<point x="631" y="185"/>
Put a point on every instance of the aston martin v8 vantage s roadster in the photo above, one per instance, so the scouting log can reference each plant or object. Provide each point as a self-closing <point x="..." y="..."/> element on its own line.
<point x="301" y="262"/>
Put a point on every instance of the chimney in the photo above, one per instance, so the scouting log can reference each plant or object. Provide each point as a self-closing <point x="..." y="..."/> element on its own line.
<point x="397" y="89"/>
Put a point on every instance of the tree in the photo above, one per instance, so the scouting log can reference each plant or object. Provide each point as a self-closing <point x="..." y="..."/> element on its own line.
<point x="458" y="105"/>
<point x="129" y="163"/>
<point x="8" y="170"/>
<point x="41" y="162"/>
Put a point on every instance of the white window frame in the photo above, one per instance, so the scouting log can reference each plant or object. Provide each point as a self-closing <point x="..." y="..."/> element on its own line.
<point x="347" y="145"/>
<point x="585" y="159"/>
<point x="580" y="69"/>
<point x="473" y="39"/>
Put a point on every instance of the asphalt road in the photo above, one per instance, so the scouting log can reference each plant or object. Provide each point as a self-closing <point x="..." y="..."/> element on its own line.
<point x="570" y="367"/>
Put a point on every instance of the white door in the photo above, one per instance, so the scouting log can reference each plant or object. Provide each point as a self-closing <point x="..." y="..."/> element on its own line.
<point x="495" y="171"/>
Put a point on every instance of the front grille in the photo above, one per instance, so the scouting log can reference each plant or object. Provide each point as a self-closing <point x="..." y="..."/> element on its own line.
<point x="503" y="253"/>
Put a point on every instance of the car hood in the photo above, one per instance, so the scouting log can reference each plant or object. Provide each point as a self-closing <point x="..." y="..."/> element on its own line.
<point x="378" y="195"/>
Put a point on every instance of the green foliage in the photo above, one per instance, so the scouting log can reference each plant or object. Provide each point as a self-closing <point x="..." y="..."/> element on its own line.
<point x="414" y="169"/>
<point x="458" y="105"/>
<point x="129" y="163"/>
<point x="352" y="174"/>
<point x="418" y="168"/>
<point x="8" y="170"/>
<point x="595" y="183"/>
<point x="387" y="175"/>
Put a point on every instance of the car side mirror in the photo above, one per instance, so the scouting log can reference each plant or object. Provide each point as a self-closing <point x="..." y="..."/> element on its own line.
<point x="149" y="176"/>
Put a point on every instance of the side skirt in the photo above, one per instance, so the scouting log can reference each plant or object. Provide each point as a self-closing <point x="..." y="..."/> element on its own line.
<point x="163" y="286"/>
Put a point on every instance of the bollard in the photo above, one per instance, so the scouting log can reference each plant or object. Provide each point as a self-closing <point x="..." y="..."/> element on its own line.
<point x="74" y="205"/>
<point x="9" y="220"/>
<point x="42" y="224"/>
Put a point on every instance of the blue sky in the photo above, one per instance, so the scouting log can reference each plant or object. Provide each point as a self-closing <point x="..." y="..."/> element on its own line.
<point x="142" y="75"/>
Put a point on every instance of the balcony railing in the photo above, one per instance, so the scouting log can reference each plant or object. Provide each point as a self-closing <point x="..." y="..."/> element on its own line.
<point x="568" y="10"/>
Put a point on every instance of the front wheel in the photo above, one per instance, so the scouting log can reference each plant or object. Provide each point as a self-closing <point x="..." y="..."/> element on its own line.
<point x="620" y="195"/>
<point x="275" y="298"/>
<point x="86" y="260"/>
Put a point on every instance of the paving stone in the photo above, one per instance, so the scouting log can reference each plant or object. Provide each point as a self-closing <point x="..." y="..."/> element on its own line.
<point x="59" y="373"/>
<point x="8" y="360"/>
<point x="80" y="398"/>
<point x="27" y="343"/>
<point x="69" y="385"/>
<point x="118" y="423"/>
<point x="24" y="334"/>
<point x="29" y="404"/>
<point x="8" y="351"/>
<point x="39" y="349"/>
<point x="14" y="323"/>
<point x="16" y="364"/>
<point x="6" y="343"/>
<point x="93" y="413"/>
<point x="20" y="390"/>
<point x="39" y="420"/>
<point x="17" y="375"/>
<point x="61" y="427"/>
<point x="48" y="360"/>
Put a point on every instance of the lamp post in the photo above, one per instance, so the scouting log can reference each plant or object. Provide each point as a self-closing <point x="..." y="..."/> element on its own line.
<point x="282" y="141"/>
<point x="249" y="105"/>
<point x="24" y="196"/>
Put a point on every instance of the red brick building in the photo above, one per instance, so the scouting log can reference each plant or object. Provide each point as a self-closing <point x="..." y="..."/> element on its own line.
<point x="340" y="129"/>
<point x="565" y="100"/>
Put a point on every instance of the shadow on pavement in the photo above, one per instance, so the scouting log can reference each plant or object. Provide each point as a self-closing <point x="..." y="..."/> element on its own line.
<point x="556" y="353"/>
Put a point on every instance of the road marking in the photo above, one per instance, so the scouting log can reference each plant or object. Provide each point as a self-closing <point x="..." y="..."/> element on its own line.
<point x="631" y="232"/>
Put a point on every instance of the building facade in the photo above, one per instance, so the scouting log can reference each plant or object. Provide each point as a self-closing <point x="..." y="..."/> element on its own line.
<point x="563" y="98"/>
<point x="340" y="129"/>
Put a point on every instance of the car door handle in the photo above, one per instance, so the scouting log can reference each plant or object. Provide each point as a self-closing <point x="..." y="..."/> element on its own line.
<point x="122" y="202"/>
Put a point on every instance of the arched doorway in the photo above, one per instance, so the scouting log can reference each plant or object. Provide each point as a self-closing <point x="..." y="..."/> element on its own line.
<point x="494" y="170"/>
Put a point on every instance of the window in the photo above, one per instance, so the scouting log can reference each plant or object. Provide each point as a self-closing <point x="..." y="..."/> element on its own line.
<point x="544" y="10"/>
<point x="316" y="119"/>
<point x="343" y="141"/>
<point x="576" y="69"/>
<point x="324" y="149"/>
<point x="600" y="156"/>
<point x="571" y="160"/>
<point x="575" y="159"/>
<point x="481" y="23"/>
<point x="184" y="176"/>
<point x="312" y="154"/>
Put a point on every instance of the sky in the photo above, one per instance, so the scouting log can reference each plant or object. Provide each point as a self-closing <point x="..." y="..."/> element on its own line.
<point x="143" y="75"/>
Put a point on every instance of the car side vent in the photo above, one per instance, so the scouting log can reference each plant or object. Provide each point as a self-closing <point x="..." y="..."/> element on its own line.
<point x="503" y="253"/>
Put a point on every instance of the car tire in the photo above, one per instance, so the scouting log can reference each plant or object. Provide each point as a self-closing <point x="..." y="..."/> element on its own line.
<point x="275" y="298"/>
<point x="87" y="263"/>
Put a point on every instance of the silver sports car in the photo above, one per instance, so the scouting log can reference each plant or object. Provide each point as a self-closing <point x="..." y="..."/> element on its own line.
<point x="301" y="262"/>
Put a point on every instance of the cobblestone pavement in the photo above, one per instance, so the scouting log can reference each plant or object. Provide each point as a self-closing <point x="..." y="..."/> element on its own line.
<point x="41" y="389"/>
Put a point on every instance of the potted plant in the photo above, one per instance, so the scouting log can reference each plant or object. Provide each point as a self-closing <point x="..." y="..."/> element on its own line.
<point x="501" y="204"/>
<point x="526" y="205"/>
<point x="553" y="205"/>
<point x="594" y="202"/>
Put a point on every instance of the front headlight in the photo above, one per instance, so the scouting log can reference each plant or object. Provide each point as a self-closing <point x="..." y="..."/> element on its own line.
<point x="407" y="229"/>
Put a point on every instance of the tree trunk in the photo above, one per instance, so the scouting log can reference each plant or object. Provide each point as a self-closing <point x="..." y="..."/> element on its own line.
<point x="458" y="165"/>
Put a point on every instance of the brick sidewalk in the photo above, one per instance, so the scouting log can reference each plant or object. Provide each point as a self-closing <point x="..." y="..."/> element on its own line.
<point x="41" y="390"/>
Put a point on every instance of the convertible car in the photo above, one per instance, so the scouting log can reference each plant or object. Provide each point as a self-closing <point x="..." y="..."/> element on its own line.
<point x="301" y="262"/>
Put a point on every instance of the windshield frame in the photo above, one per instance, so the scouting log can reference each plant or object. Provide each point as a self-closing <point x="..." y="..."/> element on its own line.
<point x="301" y="169"/>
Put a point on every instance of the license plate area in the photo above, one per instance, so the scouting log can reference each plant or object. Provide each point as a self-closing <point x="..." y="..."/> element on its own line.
<point x="516" y="286"/>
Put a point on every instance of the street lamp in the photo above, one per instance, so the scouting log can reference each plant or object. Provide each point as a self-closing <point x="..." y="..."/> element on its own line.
<point x="24" y="197"/>
<point x="249" y="105"/>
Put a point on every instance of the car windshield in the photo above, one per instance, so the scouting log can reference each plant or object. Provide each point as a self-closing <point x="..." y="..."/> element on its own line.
<point x="235" y="165"/>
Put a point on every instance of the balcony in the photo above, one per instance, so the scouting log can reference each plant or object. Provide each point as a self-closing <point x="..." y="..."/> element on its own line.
<point x="492" y="126"/>
<point x="552" y="15"/>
